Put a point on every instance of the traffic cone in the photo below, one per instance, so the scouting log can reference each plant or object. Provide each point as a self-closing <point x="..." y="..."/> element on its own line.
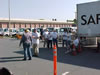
<point x="79" y="48"/>
<point x="55" y="59"/>
<point x="74" y="50"/>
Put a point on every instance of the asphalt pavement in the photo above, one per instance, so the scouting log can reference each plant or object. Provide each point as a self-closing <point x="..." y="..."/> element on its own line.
<point x="85" y="63"/>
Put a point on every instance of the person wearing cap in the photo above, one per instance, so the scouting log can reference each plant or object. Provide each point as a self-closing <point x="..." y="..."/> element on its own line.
<point x="45" y="34"/>
<point x="35" y="42"/>
<point x="27" y="42"/>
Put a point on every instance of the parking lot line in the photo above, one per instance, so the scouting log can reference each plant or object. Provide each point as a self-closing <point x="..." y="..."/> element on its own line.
<point x="65" y="73"/>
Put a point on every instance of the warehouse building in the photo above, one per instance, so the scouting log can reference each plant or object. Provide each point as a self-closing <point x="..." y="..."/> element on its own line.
<point x="29" y="23"/>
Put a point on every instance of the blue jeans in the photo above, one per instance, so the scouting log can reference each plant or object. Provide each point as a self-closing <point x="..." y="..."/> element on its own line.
<point x="68" y="42"/>
<point x="64" y="43"/>
<point x="27" y="51"/>
<point x="49" y="43"/>
<point x="55" y="42"/>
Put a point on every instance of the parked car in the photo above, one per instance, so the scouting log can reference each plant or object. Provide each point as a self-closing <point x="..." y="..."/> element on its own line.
<point x="20" y="31"/>
<point x="1" y="32"/>
<point x="13" y="32"/>
<point x="5" y="31"/>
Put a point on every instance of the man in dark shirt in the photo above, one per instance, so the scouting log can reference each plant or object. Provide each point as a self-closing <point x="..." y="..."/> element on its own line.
<point x="27" y="42"/>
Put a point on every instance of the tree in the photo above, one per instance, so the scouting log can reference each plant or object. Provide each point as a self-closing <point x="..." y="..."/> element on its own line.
<point x="75" y="21"/>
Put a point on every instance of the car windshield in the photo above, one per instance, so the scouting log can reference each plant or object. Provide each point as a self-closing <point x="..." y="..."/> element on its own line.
<point x="61" y="29"/>
<point x="14" y="30"/>
<point x="32" y="30"/>
<point x="21" y="30"/>
<point x="29" y="29"/>
<point x="68" y="29"/>
<point x="5" y="30"/>
<point x="50" y="29"/>
<point x="38" y="30"/>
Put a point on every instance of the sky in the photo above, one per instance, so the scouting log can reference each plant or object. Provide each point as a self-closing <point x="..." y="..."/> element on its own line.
<point x="61" y="10"/>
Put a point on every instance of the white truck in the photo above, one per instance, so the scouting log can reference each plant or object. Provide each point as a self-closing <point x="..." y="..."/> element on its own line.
<point x="88" y="17"/>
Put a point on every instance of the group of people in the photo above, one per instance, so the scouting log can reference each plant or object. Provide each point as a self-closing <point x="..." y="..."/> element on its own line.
<point x="50" y="38"/>
<point x="67" y="41"/>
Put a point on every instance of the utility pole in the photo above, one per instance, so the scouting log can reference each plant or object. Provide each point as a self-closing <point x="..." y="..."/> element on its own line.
<point x="9" y="12"/>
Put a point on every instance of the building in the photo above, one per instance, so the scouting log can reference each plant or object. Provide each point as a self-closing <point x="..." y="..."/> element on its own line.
<point x="29" y="23"/>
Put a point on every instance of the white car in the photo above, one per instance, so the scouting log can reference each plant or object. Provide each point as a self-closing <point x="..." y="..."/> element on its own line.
<point x="20" y="31"/>
<point x="1" y="32"/>
<point x="12" y="31"/>
<point x="6" y="32"/>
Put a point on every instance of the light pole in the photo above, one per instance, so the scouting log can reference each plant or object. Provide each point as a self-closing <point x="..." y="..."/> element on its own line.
<point x="9" y="12"/>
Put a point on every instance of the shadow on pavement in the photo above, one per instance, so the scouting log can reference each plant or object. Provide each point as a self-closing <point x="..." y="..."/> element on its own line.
<point x="10" y="59"/>
<point x="88" y="58"/>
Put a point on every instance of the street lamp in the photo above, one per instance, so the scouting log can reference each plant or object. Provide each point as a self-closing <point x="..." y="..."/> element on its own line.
<point x="9" y="12"/>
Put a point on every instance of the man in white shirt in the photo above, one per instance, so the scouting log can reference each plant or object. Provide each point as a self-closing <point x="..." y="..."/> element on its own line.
<point x="45" y="37"/>
<point x="55" y="37"/>
<point x="76" y="42"/>
<point x="49" y="36"/>
<point x="35" y="42"/>
<point x="64" y="38"/>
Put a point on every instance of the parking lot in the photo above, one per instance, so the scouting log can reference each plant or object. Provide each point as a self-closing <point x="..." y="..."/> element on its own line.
<point x="11" y="55"/>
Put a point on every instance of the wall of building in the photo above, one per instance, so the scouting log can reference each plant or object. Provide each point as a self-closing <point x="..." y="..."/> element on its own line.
<point x="32" y="25"/>
<point x="4" y="25"/>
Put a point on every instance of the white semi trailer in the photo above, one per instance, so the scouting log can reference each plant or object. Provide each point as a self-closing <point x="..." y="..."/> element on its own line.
<point x="88" y="16"/>
<point x="88" y="20"/>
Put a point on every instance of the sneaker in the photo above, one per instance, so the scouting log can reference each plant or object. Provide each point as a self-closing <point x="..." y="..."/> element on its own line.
<point x="24" y="59"/>
<point x="30" y="59"/>
<point x="35" y="55"/>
